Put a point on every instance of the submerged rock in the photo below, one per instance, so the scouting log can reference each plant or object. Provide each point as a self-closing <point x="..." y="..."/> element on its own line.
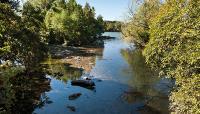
<point x="133" y="93"/>
<point x="74" y="96"/>
<point x="87" y="78"/>
<point x="99" y="80"/>
<point x="145" y="109"/>
<point x="71" y="108"/>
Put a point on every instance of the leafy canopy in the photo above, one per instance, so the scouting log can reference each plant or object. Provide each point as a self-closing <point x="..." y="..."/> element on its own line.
<point x="174" y="48"/>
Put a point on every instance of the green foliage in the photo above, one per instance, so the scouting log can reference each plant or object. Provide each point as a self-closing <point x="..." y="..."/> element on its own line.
<point x="14" y="4"/>
<point x="7" y="94"/>
<point x="174" y="48"/>
<point x="20" y="40"/>
<point x="8" y="26"/>
<point x="24" y="35"/>
<point x="112" y="26"/>
<point x="54" y="21"/>
<point x="100" y="25"/>
<point x="42" y="4"/>
<point x="137" y="28"/>
<point x="38" y="9"/>
<point x="69" y="22"/>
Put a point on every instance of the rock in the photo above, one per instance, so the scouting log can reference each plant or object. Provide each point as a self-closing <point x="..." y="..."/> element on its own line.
<point x="83" y="83"/>
<point x="74" y="96"/>
<point x="99" y="80"/>
<point x="71" y="108"/>
<point x="134" y="93"/>
<point x="107" y="37"/>
<point x="145" y="109"/>
<point x="87" y="78"/>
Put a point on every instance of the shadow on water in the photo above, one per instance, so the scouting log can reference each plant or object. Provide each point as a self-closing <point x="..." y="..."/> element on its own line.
<point x="21" y="93"/>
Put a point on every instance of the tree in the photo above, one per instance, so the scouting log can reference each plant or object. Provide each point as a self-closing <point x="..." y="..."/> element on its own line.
<point x="20" y="41"/>
<point x="24" y="35"/>
<point x="70" y="23"/>
<point x="174" y="49"/>
<point x="8" y="26"/>
<point x="112" y="26"/>
<point x="89" y="21"/>
<point x="44" y="5"/>
<point x="100" y="25"/>
<point x="54" y="22"/>
<point x="137" y="29"/>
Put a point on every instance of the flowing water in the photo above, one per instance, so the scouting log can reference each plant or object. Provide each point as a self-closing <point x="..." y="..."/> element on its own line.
<point x="124" y="84"/>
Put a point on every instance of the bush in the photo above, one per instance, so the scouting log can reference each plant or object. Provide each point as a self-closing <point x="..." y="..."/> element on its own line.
<point x="174" y="48"/>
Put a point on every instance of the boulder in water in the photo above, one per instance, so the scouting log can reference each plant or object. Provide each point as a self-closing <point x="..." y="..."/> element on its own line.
<point x="71" y="108"/>
<point x="74" y="96"/>
<point x="83" y="83"/>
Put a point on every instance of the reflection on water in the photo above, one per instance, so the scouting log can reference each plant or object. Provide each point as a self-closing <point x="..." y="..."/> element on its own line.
<point x="145" y="82"/>
<point x="123" y="83"/>
<point x="72" y="66"/>
<point x="62" y="71"/>
<point x="142" y="74"/>
<point x="21" y="94"/>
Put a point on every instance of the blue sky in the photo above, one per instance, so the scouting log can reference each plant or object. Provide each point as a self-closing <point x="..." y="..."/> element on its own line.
<point x="109" y="9"/>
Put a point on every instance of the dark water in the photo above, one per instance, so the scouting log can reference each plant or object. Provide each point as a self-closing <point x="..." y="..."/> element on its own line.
<point x="124" y="84"/>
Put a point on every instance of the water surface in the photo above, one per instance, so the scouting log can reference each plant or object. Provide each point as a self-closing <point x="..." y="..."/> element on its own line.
<point x="124" y="84"/>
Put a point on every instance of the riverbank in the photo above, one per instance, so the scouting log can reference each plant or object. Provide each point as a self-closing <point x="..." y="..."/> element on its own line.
<point x="62" y="51"/>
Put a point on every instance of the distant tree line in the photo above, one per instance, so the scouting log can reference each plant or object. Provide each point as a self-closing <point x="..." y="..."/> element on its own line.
<point x="112" y="26"/>
<point x="25" y="33"/>
<point x="169" y="34"/>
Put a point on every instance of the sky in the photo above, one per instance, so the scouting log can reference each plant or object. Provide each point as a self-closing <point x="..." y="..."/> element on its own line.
<point x="110" y="9"/>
